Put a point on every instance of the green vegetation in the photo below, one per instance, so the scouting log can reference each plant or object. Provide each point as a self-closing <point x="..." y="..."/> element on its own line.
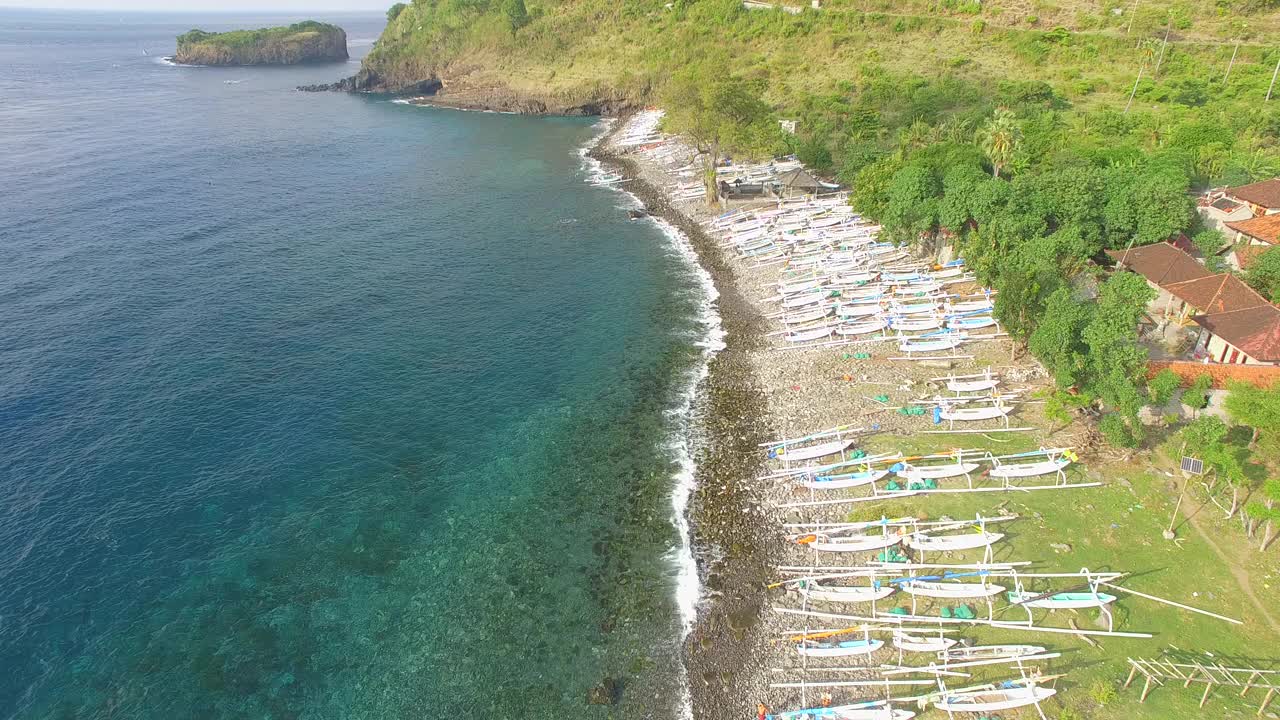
<point x="248" y="38"/>
<point x="301" y="42"/>
<point x="1119" y="527"/>
<point x="907" y="102"/>
<point x="1263" y="274"/>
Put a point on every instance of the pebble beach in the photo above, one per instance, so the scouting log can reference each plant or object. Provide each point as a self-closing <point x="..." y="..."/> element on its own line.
<point x="756" y="392"/>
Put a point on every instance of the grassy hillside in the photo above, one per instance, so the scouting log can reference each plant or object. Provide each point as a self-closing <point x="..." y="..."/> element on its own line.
<point x="1085" y="50"/>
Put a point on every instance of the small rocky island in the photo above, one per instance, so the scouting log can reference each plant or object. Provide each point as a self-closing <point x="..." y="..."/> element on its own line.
<point x="304" y="42"/>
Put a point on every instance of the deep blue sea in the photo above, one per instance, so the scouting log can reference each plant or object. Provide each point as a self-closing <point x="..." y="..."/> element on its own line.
<point x="322" y="406"/>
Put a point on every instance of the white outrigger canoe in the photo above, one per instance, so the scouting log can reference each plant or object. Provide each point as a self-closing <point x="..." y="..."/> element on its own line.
<point x="806" y="316"/>
<point x="994" y="700"/>
<point x="843" y="481"/>
<point x="914" y="643"/>
<point x="916" y="309"/>
<point x="931" y="344"/>
<point x="921" y="323"/>
<point x="804" y="299"/>
<point x="811" y="452"/>
<point x="861" y="328"/>
<point x="1061" y="601"/>
<point x="972" y="323"/>
<point x="962" y="386"/>
<point x="804" y="336"/>
<point x="970" y="306"/>
<point x="846" y="593"/>
<point x="874" y="710"/>
<point x="945" y="543"/>
<point x="950" y="590"/>
<point x="852" y="543"/>
<point x="989" y="652"/>
<point x="802" y="286"/>
<point x="847" y="648"/>
<point x="964" y="414"/>
<point x="857" y="310"/>
<point x="916" y="473"/>
<point x="1018" y="470"/>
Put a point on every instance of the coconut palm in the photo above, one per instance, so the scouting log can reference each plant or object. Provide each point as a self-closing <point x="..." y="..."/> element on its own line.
<point x="1000" y="138"/>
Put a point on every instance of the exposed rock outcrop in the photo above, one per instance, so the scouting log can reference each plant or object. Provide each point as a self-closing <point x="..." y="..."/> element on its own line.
<point x="304" y="42"/>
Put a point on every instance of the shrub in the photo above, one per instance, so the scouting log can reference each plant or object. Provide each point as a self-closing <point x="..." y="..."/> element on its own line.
<point x="1117" y="431"/>
<point x="1197" y="396"/>
<point x="394" y="11"/>
<point x="1160" y="388"/>
<point x="977" y="26"/>
<point x="1102" y="692"/>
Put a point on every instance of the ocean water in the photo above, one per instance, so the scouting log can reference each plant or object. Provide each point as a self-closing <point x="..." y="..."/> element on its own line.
<point x="323" y="406"/>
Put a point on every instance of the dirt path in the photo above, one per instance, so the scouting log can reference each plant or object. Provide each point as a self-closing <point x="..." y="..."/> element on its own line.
<point x="1239" y="573"/>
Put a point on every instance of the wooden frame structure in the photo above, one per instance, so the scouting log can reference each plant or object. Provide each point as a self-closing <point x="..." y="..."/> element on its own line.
<point x="1157" y="672"/>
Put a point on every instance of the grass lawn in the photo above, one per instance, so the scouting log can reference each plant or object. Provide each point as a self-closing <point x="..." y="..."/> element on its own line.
<point x="1119" y="527"/>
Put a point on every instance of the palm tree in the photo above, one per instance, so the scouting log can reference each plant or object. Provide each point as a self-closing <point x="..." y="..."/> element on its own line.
<point x="1000" y="138"/>
<point x="915" y="136"/>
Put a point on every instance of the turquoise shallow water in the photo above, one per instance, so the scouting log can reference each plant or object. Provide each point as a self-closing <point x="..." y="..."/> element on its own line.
<point x="320" y="406"/>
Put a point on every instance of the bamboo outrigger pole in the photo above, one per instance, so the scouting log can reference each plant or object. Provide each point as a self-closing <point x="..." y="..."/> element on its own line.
<point x="1170" y="602"/>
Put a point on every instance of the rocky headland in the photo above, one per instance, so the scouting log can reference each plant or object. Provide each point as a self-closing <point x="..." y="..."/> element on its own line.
<point x="304" y="42"/>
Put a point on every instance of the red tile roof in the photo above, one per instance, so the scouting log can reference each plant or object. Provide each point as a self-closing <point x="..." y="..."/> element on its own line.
<point x="1264" y="227"/>
<point x="1161" y="263"/>
<point x="1216" y="294"/>
<point x="1265" y="193"/>
<point x="1255" y="330"/>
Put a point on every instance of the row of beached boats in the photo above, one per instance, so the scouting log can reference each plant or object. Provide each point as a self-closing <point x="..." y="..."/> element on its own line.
<point x="838" y="283"/>
<point x="841" y="285"/>
<point x="992" y="697"/>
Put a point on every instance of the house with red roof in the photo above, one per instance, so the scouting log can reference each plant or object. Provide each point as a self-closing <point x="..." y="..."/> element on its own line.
<point x="1237" y="325"/>
<point x="1222" y="206"/>
<point x="1262" y="198"/>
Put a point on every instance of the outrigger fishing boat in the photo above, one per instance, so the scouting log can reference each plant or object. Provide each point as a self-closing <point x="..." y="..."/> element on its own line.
<point x="851" y="543"/>
<point x="917" y="473"/>
<point x="954" y="413"/>
<point x="846" y="648"/>
<point x="950" y="590"/>
<point x="844" y="593"/>
<point x="873" y="710"/>
<point x="1060" y="601"/>
<point x="915" y="643"/>
<point x="969" y="383"/>
<point x="994" y="700"/>
<point x="803" y="336"/>
<point x="989" y="652"/>
<point x="861" y="328"/>
<point x="792" y="453"/>
<point x="1055" y="463"/>
<point x="931" y="343"/>
<point x="946" y="543"/>
<point x="843" y="480"/>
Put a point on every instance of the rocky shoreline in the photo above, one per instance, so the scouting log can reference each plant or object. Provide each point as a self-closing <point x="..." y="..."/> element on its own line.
<point x="735" y="542"/>
<point x="461" y="95"/>
<point x="754" y="394"/>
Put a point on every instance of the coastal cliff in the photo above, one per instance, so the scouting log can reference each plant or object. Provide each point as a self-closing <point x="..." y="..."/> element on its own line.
<point x="474" y="56"/>
<point x="304" y="42"/>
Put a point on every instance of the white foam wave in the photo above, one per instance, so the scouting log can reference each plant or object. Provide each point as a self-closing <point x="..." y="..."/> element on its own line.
<point x="681" y="445"/>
